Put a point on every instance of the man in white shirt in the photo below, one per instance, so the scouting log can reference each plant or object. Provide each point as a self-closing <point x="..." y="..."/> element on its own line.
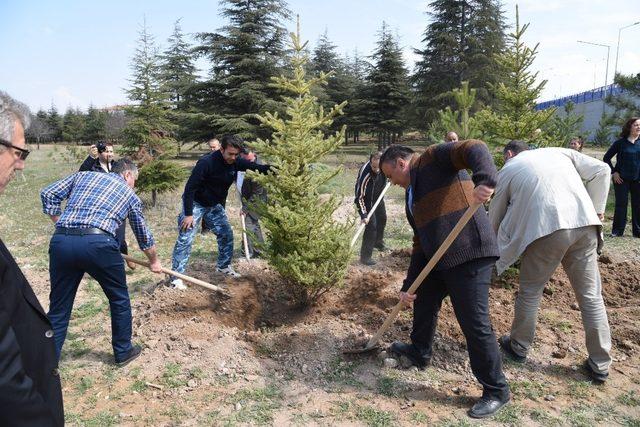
<point x="544" y="213"/>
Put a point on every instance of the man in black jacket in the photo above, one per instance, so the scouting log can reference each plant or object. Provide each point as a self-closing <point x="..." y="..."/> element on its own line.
<point x="30" y="392"/>
<point x="205" y="195"/>
<point x="100" y="158"/>
<point x="369" y="185"/>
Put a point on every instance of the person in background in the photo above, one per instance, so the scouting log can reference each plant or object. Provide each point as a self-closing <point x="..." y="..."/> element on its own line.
<point x="214" y="144"/>
<point x="576" y="143"/>
<point x="100" y="158"/>
<point x="626" y="177"/>
<point x="370" y="183"/>
<point x="84" y="242"/>
<point x="250" y="193"/>
<point x="451" y="136"/>
<point x="30" y="391"/>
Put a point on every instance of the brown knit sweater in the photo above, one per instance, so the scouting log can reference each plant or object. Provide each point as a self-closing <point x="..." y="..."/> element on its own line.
<point x="442" y="192"/>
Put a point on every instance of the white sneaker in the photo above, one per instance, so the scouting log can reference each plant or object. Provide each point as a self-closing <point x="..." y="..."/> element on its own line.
<point x="228" y="270"/>
<point x="178" y="284"/>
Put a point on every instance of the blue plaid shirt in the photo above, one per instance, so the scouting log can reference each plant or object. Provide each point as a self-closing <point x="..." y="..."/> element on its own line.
<point x="100" y="200"/>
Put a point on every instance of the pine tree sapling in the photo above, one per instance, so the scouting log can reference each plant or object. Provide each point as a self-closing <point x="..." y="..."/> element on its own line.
<point x="306" y="246"/>
<point x="460" y="120"/>
<point x="514" y="115"/>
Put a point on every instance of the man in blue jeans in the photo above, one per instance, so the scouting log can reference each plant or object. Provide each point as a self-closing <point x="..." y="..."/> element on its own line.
<point x="204" y="198"/>
<point x="85" y="242"/>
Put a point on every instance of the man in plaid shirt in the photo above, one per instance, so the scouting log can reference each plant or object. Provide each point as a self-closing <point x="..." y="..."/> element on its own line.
<point x="85" y="242"/>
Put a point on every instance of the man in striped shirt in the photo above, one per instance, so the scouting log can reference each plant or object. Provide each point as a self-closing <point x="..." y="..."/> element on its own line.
<point x="369" y="185"/>
<point x="85" y="242"/>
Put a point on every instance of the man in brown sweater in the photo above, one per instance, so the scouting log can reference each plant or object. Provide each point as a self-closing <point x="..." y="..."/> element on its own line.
<point x="438" y="192"/>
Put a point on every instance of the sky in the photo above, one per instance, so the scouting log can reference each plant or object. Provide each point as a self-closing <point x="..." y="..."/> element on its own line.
<point x="77" y="52"/>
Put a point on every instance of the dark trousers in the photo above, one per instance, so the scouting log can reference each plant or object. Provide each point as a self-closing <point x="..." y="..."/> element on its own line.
<point x="468" y="286"/>
<point x="254" y="233"/>
<point x="622" y="200"/>
<point x="373" y="236"/>
<point x="99" y="255"/>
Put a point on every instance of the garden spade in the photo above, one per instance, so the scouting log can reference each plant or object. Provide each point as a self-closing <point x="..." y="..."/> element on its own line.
<point x="373" y="342"/>
<point x="373" y="209"/>
<point x="180" y="276"/>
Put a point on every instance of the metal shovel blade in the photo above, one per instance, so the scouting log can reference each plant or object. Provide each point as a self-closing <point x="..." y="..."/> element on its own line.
<point x="365" y="349"/>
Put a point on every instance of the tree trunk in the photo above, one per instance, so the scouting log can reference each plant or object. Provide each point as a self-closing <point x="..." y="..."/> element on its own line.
<point x="154" y="197"/>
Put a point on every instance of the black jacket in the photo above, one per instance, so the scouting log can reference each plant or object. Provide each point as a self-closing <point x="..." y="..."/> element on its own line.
<point x="369" y="185"/>
<point x="627" y="159"/>
<point x="30" y="393"/>
<point x="211" y="178"/>
<point x="93" y="165"/>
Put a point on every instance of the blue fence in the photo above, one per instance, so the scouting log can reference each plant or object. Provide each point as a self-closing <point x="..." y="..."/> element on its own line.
<point x="588" y="96"/>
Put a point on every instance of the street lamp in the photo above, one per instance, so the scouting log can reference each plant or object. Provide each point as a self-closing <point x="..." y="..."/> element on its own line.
<point x="615" y="69"/>
<point x="606" y="73"/>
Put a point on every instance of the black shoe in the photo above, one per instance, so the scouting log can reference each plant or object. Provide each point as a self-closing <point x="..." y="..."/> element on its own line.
<point x="505" y="344"/>
<point x="615" y="235"/>
<point x="133" y="354"/>
<point x="367" y="261"/>
<point x="411" y="352"/>
<point x="486" y="407"/>
<point x="596" y="377"/>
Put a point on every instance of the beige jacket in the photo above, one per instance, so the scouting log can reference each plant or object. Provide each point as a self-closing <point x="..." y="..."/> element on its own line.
<point x="542" y="191"/>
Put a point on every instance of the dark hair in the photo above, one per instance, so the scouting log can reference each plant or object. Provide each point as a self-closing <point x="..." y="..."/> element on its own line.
<point x="102" y="146"/>
<point x="626" y="129"/>
<point x="395" y="152"/>
<point x="516" y="146"/>
<point x="123" y="165"/>
<point x="233" y="141"/>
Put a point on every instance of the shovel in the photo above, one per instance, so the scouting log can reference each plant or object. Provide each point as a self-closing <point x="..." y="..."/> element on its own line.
<point x="179" y="275"/>
<point x="373" y="209"/>
<point x="373" y="342"/>
<point x="245" y="242"/>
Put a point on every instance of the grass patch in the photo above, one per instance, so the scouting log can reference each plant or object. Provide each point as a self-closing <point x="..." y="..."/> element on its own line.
<point x="84" y="384"/>
<point x="532" y="390"/>
<point x="172" y="376"/>
<point x="579" y="389"/>
<point x="138" y="386"/>
<point x="75" y="348"/>
<point x="175" y="413"/>
<point x="101" y="419"/>
<point x="389" y="386"/>
<point x="375" y="417"/>
<point x="543" y="418"/>
<point x="256" y="406"/>
<point x="342" y="372"/>
<point x="510" y="415"/>
<point x="419" y="417"/>
<point x="88" y="310"/>
<point x="454" y="422"/>
<point x="628" y="399"/>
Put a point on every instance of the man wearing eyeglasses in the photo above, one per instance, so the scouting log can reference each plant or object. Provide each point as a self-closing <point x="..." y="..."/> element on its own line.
<point x="30" y="392"/>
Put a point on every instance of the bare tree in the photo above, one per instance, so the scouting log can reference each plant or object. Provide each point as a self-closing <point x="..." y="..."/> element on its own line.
<point x="115" y="122"/>
<point x="39" y="130"/>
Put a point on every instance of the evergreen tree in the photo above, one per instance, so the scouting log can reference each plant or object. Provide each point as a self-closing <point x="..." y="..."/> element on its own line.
<point x="73" y="125"/>
<point x="244" y="54"/>
<point x="54" y="121"/>
<point x="178" y="72"/>
<point x="460" y="120"/>
<point x="514" y="115"/>
<point x="94" y="129"/>
<point x="355" y="113"/>
<point x="306" y="246"/>
<point x="460" y="45"/>
<point x="563" y="127"/>
<point x="387" y="92"/>
<point x="148" y="134"/>
<point x="625" y="104"/>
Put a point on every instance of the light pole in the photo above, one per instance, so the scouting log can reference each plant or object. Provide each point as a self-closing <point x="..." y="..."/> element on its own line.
<point x="606" y="73"/>
<point x="615" y="69"/>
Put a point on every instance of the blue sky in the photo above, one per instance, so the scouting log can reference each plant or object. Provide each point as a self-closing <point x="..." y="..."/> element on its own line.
<point x="74" y="53"/>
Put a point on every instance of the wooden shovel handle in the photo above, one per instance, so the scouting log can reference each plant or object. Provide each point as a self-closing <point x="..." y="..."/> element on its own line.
<point x="425" y="271"/>
<point x="178" y="275"/>
<point x="373" y="209"/>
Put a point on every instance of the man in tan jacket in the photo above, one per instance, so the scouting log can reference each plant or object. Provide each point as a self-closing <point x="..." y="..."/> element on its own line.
<point x="545" y="214"/>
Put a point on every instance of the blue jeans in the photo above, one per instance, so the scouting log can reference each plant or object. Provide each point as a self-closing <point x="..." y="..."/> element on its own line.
<point x="216" y="220"/>
<point x="99" y="255"/>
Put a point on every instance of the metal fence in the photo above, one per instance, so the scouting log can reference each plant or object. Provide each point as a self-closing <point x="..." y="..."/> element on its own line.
<point x="588" y="96"/>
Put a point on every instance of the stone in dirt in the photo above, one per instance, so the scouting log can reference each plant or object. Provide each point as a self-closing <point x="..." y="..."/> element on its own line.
<point x="390" y="362"/>
<point x="559" y="353"/>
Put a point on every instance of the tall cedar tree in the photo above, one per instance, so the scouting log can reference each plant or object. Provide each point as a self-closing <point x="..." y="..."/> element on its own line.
<point x="387" y="91"/>
<point x="355" y="113"/>
<point x="73" y="124"/>
<point x="148" y="134"/>
<point x="244" y="54"/>
<point x="461" y="44"/>
<point x="514" y="115"/>
<point x="306" y="246"/>
<point x="340" y="85"/>
<point x="177" y="70"/>
<point x="55" y="123"/>
<point x="94" y="128"/>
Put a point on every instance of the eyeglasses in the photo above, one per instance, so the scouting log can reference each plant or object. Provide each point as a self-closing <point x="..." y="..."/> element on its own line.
<point x="24" y="153"/>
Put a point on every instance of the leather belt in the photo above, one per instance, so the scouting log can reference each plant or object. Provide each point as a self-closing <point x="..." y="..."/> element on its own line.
<point x="80" y="231"/>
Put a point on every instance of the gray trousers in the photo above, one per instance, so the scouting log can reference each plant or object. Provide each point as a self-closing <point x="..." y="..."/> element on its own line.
<point x="576" y="250"/>
<point x="254" y="234"/>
